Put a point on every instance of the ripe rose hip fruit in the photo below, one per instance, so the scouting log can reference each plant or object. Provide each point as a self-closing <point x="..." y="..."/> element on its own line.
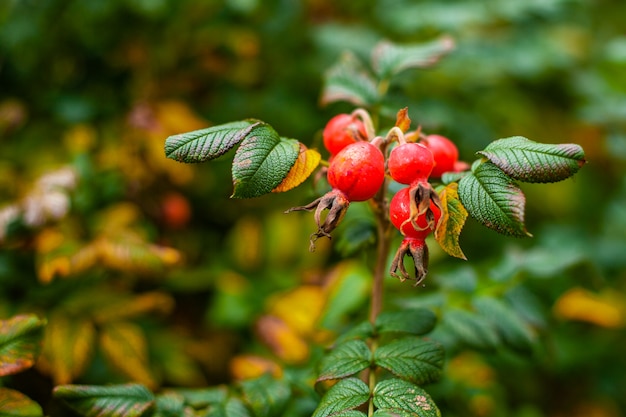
<point x="400" y="216"/>
<point x="341" y="131"/>
<point x="410" y="162"/>
<point x="445" y="154"/>
<point x="358" y="171"/>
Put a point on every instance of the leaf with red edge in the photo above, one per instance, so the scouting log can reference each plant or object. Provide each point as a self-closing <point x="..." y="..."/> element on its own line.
<point x="453" y="218"/>
<point x="308" y="160"/>
<point x="20" y="342"/>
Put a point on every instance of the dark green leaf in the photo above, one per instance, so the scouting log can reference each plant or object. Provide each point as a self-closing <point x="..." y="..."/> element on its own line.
<point x="362" y="330"/>
<point x="16" y="404"/>
<point x="170" y="405"/>
<point x="389" y="58"/>
<point x="20" y="342"/>
<point x="234" y="407"/>
<point x="411" y="358"/>
<point x="348" y="80"/>
<point x="127" y="400"/>
<point x="262" y="161"/>
<point x="345" y="395"/>
<point x="396" y="396"/>
<point x="416" y="321"/>
<point x="493" y="199"/>
<point x="202" y="397"/>
<point x="511" y="328"/>
<point x="471" y="329"/>
<point x="345" y="360"/>
<point x="525" y="160"/>
<point x="350" y="413"/>
<point x="266" y="395"/>
<point x="206" y="144"/>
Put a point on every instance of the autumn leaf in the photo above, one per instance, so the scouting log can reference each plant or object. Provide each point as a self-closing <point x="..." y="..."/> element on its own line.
<point x="307" y="161"/>
<point x="453" y="218"/>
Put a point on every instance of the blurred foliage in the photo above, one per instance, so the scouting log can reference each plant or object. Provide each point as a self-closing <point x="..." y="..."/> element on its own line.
<point x="145" y="271"/>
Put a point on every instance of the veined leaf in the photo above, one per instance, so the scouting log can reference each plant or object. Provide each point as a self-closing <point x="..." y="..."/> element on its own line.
<point x="417" y="322"/>
<point x="170" y="404"/>
<point x="262" y="162"/>
<point x="452" y="221"/>
<point x="266" y="395"/>
<point x="307" y="161"/>
<point x="411" y="358"/>
<point x="528" y="161"/>
<point x="345" y="395"/>
<point x="345" y="360"/>
<point x="15" y="404"/>
<point x="125" y="347"/>
<point x="389" y="58"/>
<point x="210" y="143"/>
<point x="349" y="80"/>
<point x="20" y="342"/>
<point x="492" y="198"/>
<point x="403" y="398"/>
<point x="233" y="407"/>
<point x="68" y="347"/>
<point x="126" y="400"/>
<point x="470" y="328"/>
<point x="511" y="328"/>
<point x="203" y="397"/>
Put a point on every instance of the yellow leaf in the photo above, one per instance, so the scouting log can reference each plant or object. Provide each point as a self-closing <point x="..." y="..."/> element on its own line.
<point x="300" y="308"/>
<point x="176" y="117"/>
<point x="606" y="310"/>
<point x="125" y="347"/>
<point x="67" y="348"/>
<point x="150" y="302"/>
<point x="252" y="366"/>
<point x="282" y="340"/>
<point x="453" y="218"/>
<point x="307" y="161"/>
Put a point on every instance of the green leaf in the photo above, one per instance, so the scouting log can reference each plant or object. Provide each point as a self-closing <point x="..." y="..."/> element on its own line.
<point x="233" y="407"/>
<point x="452" y="221"/>
<point x="348" y="80"/>
<point x="125" y="400"/>
<point x="345" y="395"/>
<point x="362" y="330"/>
<point x="262" y="161"/>
<point x="266" y="395"/>
<point x="202" y="397"/>
<point x="492" y="198"/>
<point x="402" y="398"/>
<point x="411" y="358"/>
<point x="470" y="328"/>
<point x="16" y="404"/>
<point x="511" y="328"/>
<point x="417" y="321"/>
<point x="528" y="161"/>
<point x="345" y="360"/>
<point x="206" y="144"/>
<point x="389" y="59"/>
<point x="20" y="342"/>
<point x="170" y="404"/>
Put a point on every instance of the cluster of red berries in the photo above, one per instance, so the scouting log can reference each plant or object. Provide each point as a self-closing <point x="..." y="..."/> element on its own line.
<point x="357" y="172"/>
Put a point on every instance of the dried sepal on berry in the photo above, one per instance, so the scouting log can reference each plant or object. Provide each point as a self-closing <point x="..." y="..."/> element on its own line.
<point x="337" y="204"/>
<point x="421" y="195"/>
<point x="418" y="250"/>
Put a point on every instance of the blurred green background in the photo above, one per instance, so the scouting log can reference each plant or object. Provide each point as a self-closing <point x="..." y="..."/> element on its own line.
<point x="89" y="90"/>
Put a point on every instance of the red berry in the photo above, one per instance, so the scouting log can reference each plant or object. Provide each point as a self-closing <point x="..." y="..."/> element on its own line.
<point x="341" y="131"/>
<point x="175" y="210"/>
<point x="358" y="171"/>
<point x="445" y="153"/>
<point x="400" y="212"/>
<point x="409" y="162"/>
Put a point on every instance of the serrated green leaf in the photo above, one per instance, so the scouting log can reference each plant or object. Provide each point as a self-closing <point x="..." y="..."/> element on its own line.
<point x="492" y="198"/>
<point x="16" y="404"/>
<point x="411" y="358"/>
<point x="350" y="413"/>
<point x="511" y="328"/>
<point x="345" y="360"/>
<point x="452" y="221"/>
<point x="471" y="329"/>
<point x="233" y="407"/>
<point x="206" y="144"/>
<point x="528" y="161"/>
<point x="202" y="397"/>
<point x="20" y="342"/>
<point x="348" y="80"/>
<point x="125" y="400"/>
<point x="396" y="396"/>
<point x="389" y="58"/>
<point x="362" y="330"/>
<point x="416" y="321"/>
<point x="345" y="395"/>
<point x="170" y="404"/>
<point x="262" y="161"/>
<point x="266" y="395"/>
